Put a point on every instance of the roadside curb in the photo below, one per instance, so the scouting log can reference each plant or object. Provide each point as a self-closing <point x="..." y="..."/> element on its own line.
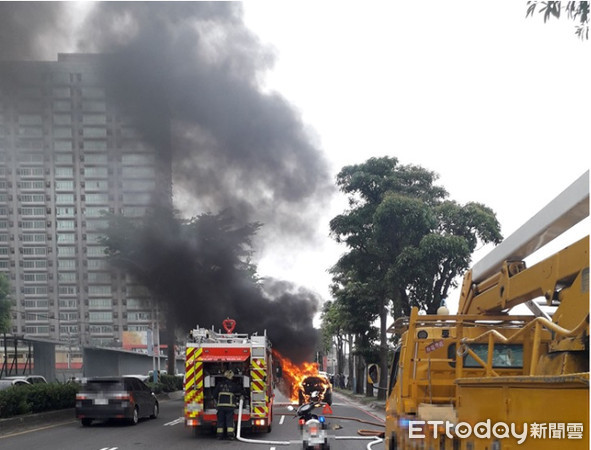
<point x="25" y="421"/>
<point x="368" y="401"/>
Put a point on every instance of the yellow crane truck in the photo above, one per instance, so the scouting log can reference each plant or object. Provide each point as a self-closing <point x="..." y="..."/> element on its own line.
<point x="489" y="379"/>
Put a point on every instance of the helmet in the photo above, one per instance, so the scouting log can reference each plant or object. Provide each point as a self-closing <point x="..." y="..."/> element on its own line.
<point x="229" y="374"/>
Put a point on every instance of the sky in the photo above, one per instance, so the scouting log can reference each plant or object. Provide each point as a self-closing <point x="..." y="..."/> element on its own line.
<point x="496" y="104"/>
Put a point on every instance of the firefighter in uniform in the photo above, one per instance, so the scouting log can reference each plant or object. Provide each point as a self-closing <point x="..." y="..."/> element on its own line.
<point x="226" y="394"/>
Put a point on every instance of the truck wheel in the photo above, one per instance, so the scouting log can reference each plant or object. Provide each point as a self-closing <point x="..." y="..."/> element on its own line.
<point x="393" y="442"/>
<point x="86" y="422"/>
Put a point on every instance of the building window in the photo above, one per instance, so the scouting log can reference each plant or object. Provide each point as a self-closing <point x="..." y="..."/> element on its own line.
<point x="138" y="172"/>
<point x="38" y="211"/>
<point x="97" y="198"/>
<point x="63" y="158"/>
<point x="63" y="145"/>
<point x="34" y="290"/>
<point x="66" y="237"/>
<point x="139" y="185"/>
<point x="33" y="237"/>
<point x="97" y="225"/>
<point x="31" y="224"/>
<point x="32" y="198"/>
<point x="65" y="211"/>
<point x="95" y="145"/>
<point x="68" y="303"/>
<point x="64" y="198"/>
<point x="30" y="119"/>
<point x="94" y="106"/>
<point x="99" y="277"/>
<point x="100" y="172"/>
<point x="66" y="251"/>
<point x="95" y="211"/>
<point x="62" y="119"/>
<point x="62" y="132"/>
<point x="94" y="119"/>
<point x="62" y="105"/>
<point x="31" y="158"/>
<point x="100" y="316"/>
<point x="34" y="277"/>
<point x="64" y="172"/>
<point x="67" y="277"/>
<point x="67" y="290"/>
<point x="31" y="172"/>
<point x="97" y="185"/>
<point x="68" y="264"/>
<point x="32" y="185"/>
<point x="66" y="224"/>
<point x="97" y="264"/>
<point x="64" y="185"/>
<point x="138" y="316"/>
<point x="34" y="251"/>
<point x="34" y="264"/>
<point x="100" y="303"/>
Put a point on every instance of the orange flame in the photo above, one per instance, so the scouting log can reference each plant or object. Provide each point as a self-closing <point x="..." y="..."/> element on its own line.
<point x="293" y="374"/>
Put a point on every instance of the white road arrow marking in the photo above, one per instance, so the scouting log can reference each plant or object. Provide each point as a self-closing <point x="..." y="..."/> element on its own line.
<point x="174" y="422"/>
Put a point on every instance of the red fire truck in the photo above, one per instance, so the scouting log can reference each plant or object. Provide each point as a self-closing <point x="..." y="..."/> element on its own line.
<point x="208" y="355"/>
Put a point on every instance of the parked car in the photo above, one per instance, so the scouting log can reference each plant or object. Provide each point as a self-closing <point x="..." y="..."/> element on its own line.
<point x="5" y="384"/>
<point x="31" y="379"/>
<point x="126" y="397"/>
<point x="144" y="378"/>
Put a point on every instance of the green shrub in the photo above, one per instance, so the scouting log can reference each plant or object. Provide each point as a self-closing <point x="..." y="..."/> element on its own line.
<point x="157" y="388"/>
<point x="13" y="401"/>
<point x="171" y="383"/>
<point x="37" y="398"/>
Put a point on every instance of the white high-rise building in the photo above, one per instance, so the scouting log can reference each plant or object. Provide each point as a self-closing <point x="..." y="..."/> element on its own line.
<point x="67" y="154"/>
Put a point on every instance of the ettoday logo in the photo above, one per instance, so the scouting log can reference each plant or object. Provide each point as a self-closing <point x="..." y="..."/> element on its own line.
<point x="498" y="430"/>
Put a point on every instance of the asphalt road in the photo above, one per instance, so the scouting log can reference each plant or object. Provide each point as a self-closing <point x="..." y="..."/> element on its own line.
<point x="169" y="432"/>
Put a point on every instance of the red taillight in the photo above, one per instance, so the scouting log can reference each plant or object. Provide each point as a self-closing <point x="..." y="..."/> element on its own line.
<point x="124" y="396"/>
<point x="81" y="397"/>
<point x="302" y="421"/>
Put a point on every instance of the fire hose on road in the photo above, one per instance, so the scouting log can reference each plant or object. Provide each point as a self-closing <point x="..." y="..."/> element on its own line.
<point x="376" y="439"/>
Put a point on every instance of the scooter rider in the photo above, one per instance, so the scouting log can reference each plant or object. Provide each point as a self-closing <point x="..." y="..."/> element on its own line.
<point x="226" y="394"/>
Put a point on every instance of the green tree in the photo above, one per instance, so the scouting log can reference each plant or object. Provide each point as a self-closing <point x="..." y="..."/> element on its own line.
<point x="576" y="11"/>
<point x="5" y="304"/>
<point x="406" y="242"/>
<point x="181" y="261"/>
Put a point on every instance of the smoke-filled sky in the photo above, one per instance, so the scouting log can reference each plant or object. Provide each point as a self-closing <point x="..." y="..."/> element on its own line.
<point x="495" y="103"/>
<point x="236" y="148"/>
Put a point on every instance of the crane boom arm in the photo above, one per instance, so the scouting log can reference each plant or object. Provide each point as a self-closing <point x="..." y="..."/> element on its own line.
<point x="493" y="285"/>
<point x="561" y="214"/>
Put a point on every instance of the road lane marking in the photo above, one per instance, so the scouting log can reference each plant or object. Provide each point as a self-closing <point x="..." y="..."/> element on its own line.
<point x="281" y="420"/>
<point x="18" y="433"/>
<point x="174" y="422"/>
<point x="109" y="448"/>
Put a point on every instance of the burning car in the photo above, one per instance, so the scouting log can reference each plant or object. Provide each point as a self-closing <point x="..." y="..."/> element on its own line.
<point x="315" y="383"/>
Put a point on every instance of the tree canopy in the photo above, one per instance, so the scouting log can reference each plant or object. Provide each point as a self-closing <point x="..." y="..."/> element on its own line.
<point x="575" y="11"/>
<point x="406" y="243"/>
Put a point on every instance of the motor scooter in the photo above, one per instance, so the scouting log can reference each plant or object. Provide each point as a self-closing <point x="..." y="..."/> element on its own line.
<point x="312" y="426"/>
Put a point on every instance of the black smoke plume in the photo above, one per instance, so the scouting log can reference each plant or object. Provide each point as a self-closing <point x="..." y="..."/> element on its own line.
<point x="233" y="146"/>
